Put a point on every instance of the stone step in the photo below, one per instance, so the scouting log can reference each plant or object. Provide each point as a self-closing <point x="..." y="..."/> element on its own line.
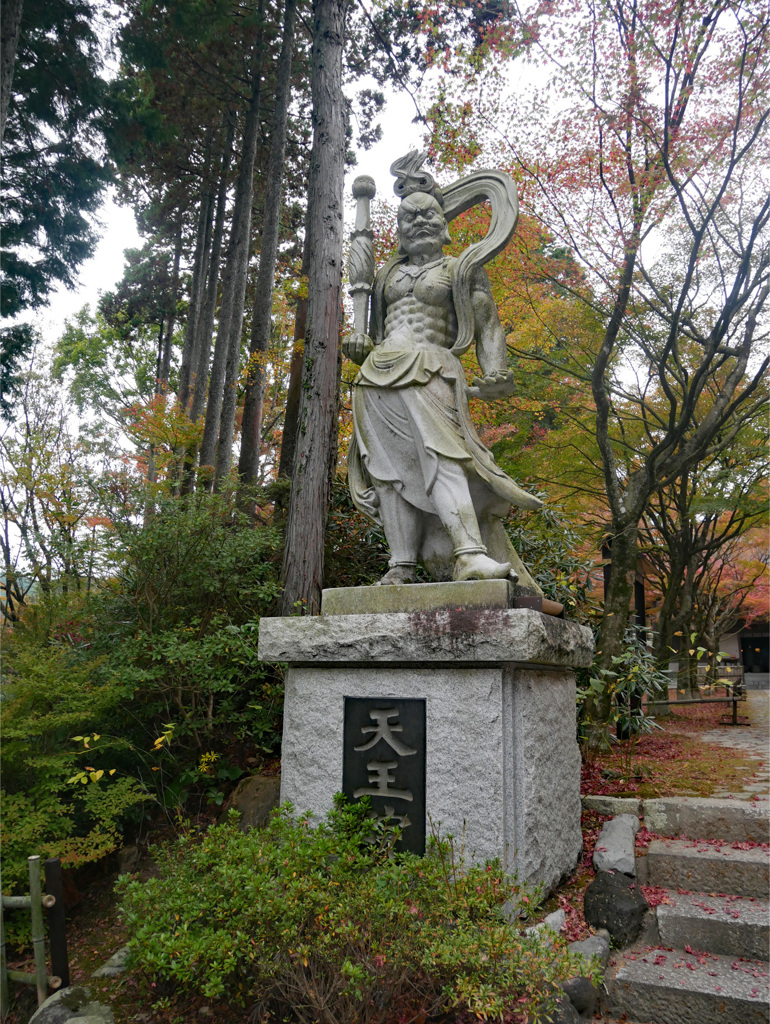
<point x="709" y="818"/>
<point x="665" y="987"/>
<point x="699" y="867"/>
<point x="734" y="925"/>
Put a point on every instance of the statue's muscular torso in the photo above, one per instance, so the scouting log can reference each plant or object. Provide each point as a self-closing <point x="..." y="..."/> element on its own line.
<point x="418" y="307"/>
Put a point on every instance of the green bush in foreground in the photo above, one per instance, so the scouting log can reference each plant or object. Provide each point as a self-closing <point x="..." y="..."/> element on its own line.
<point x="67" y="787"/>
<point x="306" y="924"/>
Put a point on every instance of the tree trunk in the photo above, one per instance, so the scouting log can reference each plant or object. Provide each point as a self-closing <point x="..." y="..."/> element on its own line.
<point x="664" y="635"/>
<point x="241" y="245"/>
<point x="152" y="473"/>
<point x="688" y="663"/>
<point x="248" y="465"/>
<point x="197" y="329"/>
<point x="206" y="321"/>
<point x="617" y="603"/>
<point x="224" y="367"/>
<point x="196" y="292"/>
<point x="711" y="643"/>
<point x="210" y="305"/>
<point x="686" y="681"/>
<point x="9" y="40"/>
<point x="165" y="368"/>
<point x="302" y="571"/>
<point x="296" y="368"/>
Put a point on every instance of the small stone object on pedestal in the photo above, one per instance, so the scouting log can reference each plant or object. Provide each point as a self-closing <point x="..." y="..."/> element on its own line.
<point x="454" y="716"/>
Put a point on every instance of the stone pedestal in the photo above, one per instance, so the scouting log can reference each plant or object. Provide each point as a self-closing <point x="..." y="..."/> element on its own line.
<point x="502" y="765"/>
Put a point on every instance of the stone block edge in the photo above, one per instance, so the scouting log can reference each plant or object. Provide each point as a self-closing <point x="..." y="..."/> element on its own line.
<point x="513" y="635"/>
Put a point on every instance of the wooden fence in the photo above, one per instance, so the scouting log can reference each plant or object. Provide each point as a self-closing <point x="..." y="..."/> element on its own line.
<point x="53" y="903"/>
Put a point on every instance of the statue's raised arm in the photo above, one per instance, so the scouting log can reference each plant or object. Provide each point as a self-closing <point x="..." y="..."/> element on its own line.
<point x="416" y="464"/>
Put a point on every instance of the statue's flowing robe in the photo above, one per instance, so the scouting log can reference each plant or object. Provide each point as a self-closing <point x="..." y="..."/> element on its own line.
<point x="410" y="412"/>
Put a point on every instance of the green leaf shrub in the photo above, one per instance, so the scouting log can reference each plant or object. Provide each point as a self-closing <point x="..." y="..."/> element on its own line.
<point x="170" y="639"/>
<point x="49" y="695"/>
<point x="180" y="624"/>
<point x="635" y="677"/>
<point x="355" y="551"/>
<point x="550" y="548"/>
<point x="324" y="922"/>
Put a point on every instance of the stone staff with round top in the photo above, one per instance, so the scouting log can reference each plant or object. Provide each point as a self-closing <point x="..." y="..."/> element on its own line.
<point x="361" y="262"/>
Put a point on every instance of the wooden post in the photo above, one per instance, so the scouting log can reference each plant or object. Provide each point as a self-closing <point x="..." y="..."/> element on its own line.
<point x="5" y="997"/>
<point x="57" y="928"/>
<point x="35" y="902"/>
<point x="361" y="259"/>
<point x="38" y="930"/>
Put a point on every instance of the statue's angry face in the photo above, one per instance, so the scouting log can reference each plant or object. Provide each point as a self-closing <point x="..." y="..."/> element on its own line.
<point x="422" y="229"/>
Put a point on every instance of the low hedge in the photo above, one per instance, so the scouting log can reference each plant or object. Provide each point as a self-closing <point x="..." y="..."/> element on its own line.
<point x="324" y="922"/>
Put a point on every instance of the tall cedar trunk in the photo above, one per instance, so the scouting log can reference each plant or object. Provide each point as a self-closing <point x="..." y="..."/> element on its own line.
<point x="244" y="199"/>
<point x="206" y="321"/>
<point x="197" y="332"/>
<point x="152" y="473"/>
<point x="248" y="465"/>
<point x="302" y="571"/>
<point x="296" y="367"/>
<point x="9" y="40"/>
<point x="159" y="357"/>
<point x="227" y="349"/>
<point x="165" y="368"/>
<point x="196" y="292"/>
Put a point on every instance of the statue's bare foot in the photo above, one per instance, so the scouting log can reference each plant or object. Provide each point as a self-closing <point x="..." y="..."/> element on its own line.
<point x="479" y="567"/>
<point x="398" y="574"/>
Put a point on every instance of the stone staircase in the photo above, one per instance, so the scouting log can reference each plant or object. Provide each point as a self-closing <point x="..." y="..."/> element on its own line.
<point x="703" y="959"/>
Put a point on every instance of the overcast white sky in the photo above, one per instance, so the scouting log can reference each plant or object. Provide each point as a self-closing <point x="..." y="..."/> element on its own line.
<point x="101" y="273"/>
<point x="105" y="269"/>
<point x="399" y="135"/>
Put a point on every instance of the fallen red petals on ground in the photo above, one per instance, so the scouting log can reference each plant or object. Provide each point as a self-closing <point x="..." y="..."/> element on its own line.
<point x="654" y="895"/>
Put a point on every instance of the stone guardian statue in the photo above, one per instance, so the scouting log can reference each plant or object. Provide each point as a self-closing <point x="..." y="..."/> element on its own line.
<point x="415" y="463"/>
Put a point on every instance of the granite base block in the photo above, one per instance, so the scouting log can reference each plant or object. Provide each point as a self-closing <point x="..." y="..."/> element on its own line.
<point x="502" y="761"/>
<point x="502" y="765"/>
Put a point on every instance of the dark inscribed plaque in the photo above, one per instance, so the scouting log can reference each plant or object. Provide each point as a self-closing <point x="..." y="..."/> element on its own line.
<point x="384" y="758"/>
